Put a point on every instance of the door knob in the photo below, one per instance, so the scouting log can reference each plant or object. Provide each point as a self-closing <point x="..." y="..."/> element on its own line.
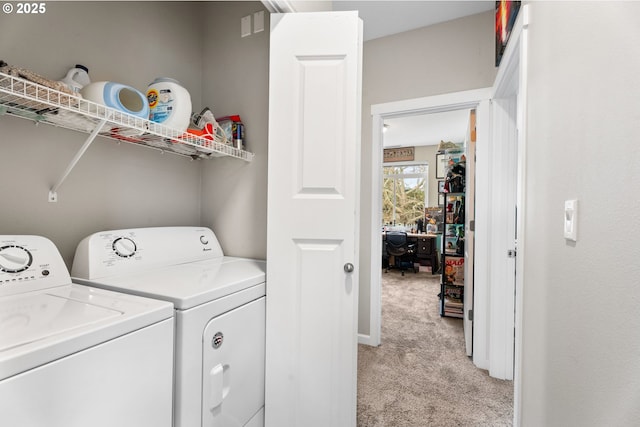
<point x="348" y="268"/>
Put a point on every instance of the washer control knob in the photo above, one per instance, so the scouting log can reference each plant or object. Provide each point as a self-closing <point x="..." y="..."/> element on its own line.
<point x="124" y="247"/>
<point x="14" y="259"/>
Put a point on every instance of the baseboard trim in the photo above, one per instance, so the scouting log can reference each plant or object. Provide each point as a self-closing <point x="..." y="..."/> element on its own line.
<point x="366" y="340"/>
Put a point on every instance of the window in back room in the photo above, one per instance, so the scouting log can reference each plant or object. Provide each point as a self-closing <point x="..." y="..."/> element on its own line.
<point x="404" y="194"/>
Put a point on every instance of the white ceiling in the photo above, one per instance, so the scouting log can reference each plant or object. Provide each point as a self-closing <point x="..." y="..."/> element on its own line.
<point x="382" y="18"/>
<point x="426" y="129"/>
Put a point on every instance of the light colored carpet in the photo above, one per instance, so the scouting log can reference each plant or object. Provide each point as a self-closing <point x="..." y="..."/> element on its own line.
<point x="421" y="376"/>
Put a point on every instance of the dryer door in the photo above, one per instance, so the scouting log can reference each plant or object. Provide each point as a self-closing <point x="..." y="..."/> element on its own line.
<point x="233" y="366"/>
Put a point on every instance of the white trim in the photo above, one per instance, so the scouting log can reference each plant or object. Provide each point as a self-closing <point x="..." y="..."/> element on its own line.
<point x="482" y="236"/>
<point x="375" y="282"/>
<point x="406" y="163"/>
<point x="431" y="104"/>
<point x="278" y="6"/>
<point x="513" y="73"/>
<point x="521" y="200"/>
<point x="511" y="57"/>
<point x="366" y="340"/>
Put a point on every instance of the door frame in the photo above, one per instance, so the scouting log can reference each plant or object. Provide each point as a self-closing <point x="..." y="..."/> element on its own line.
<point x="465" y="100"/>
<point x="512" y="80"/>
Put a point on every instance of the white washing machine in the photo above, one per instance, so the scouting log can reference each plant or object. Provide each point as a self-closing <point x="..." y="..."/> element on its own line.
<point x="76" y="356"/>
<point x="219" y="313"/>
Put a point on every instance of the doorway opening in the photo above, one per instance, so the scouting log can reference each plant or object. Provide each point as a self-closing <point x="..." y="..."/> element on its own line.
<point x="463" y="103"/>
<point x="432" y="108"/>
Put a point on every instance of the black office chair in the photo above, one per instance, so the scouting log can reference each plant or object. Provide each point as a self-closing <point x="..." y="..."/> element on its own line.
<point x="397" y="245"/>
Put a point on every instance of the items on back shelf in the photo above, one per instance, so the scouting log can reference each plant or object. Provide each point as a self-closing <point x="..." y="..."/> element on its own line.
<point x="454" y="270"/>
<point x="455" y="210"/>
<point x="454" y="239"/>
<point x="453" y="301"/>
<point x="76" y="78"/>
<point x="455" y="181"/>
<point x="169" y="103"/>
<point x="117" y="96"/>
<point x="29" y="75"/>
<point x="234" y="129"/>
<point x="205" y="126"/>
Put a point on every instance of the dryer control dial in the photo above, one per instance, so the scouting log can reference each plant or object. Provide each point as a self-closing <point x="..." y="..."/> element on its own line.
<point x="14" y="259"/>
<point x="124" y="247"/>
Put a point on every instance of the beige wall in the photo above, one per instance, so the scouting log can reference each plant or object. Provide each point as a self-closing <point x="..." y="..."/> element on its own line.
<point x="581" y="364"/>
<point x="236" y="81"/>
<point x="113" y="186"/>
<point x="443" y="58"/>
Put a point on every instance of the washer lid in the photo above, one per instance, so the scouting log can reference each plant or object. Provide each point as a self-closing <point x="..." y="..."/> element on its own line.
<point x="42" y="326"/>
<point x="190" y="284"/>
<point x="29" y="318"/>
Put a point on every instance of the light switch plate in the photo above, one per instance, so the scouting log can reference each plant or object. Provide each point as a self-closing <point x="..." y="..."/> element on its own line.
<point x="571" y="220"/>
<point x="245" y="26"/>
<point x="258" y="22"/>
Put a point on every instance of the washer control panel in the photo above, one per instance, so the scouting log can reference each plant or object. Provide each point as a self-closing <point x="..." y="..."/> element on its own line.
<point x="124" y="247"/>
<point x="30" y="263"/>
<point x="14" y="259"/>
<point x="118" y="252"/>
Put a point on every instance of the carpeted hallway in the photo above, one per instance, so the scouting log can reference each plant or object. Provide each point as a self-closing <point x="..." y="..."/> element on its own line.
<point x="420" y="376"/>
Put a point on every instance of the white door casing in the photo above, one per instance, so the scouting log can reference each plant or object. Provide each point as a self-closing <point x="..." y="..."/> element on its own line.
<point x="313" y="219"/>
<point x="466" y="100"/>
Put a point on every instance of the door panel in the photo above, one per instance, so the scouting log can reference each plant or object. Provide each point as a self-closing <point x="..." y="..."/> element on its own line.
<point x="320" y="83"/>
<point x="312" y="225"/>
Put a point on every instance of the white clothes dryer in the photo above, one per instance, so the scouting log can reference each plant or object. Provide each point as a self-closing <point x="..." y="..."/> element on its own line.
<point x="77" y="356"/>
<point x="219" y="313"/>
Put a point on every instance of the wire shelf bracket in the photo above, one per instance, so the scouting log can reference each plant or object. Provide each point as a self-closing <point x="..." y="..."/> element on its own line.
<point x="53" y="192"/>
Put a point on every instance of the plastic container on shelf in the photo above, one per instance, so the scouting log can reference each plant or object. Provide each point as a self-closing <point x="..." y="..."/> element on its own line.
<point x="169" y="103"/>
<point x="234" y="130"/>
<point x="117" y="96"/>
<point x="76" y="78"/>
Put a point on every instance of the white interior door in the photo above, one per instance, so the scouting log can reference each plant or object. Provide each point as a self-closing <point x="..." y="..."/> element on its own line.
<point x="503" y="234"/>
<point x="469" y="233"/>
<point x="312" y="227"/>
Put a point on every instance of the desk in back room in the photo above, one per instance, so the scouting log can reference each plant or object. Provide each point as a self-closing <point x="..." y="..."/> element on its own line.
<point x="426" y="252"/>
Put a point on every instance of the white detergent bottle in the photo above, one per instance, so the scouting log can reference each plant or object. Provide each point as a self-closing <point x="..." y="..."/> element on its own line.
<point x="169" y="103"/>
<point x="77" y="78"/>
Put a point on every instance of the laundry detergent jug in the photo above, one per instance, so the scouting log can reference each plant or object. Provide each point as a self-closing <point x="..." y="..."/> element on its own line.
<point x="76" y="78"/>
<point x="117" y="96"/>
<point x="169" y="103"/>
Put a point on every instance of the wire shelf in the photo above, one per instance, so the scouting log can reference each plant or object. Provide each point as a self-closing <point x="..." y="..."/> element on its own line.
<point x="39" y="103"/>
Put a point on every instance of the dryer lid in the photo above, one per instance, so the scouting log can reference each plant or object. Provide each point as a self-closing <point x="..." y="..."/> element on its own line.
<point x="190" y="284"/>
